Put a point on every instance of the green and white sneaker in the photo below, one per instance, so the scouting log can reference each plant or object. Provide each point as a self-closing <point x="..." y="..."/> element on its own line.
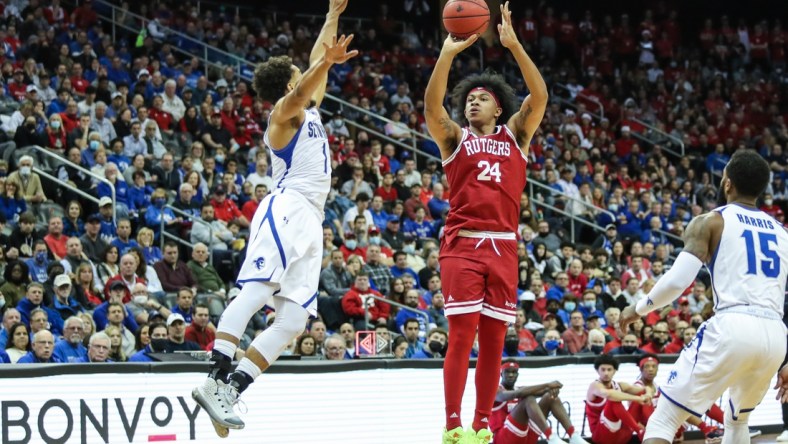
<point x="453" y="436"/>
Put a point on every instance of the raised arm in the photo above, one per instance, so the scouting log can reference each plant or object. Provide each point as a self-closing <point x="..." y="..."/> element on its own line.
<point x="700" y="238"/>
<point x="294" y="103"/>
<point x="329" y="31"/>
<point x="524" y="122"/>
<point x="445" y="131"/>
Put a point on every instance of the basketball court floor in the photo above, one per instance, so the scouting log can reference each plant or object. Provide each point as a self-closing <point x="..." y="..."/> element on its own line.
<point x="763" y="439"/>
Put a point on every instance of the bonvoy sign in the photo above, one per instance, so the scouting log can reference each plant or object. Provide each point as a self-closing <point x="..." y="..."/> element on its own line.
<point x="365" y="406"/>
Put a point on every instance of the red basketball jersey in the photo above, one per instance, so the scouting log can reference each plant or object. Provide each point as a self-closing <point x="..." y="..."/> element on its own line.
<point x="486" y="177"/>
<point x="499" y="413"/>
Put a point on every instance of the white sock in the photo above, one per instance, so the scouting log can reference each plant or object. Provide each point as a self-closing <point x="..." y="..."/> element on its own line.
<point x="247" y="366"/>
<point x="225" y="347"/>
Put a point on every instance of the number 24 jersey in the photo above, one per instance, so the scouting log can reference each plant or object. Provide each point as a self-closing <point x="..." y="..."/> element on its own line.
<point x="486" y="175"/>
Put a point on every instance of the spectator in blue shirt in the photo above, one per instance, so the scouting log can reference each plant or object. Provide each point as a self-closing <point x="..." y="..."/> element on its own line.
<point x="435" y="348"/>
<point x="419" y="227"/>
<point x="437" y="205"/>
<point x="183" y="304"/>
<point x="58" y="105"/>
<point x="117" y="157"/>
<point x="70" y="348"/>
<point x="158" y="344"/>
<point x="12" y="204"/>
<point x="411" y="330"/>
<point x="139" y="192"/>
<point x="108" y="232"/>
<point x="379" y="216"/>
<point x="411" y="299"/>
<point x="400" y="266"/>
<point x="43" y="348"/>
<point x="34" y="299"/>
<point x="121" y="190"/>
<point x="117" y="291"/>
<point x="99" y="348"/>
<point x="124" y="242"/>
<point x="37" y="265"/>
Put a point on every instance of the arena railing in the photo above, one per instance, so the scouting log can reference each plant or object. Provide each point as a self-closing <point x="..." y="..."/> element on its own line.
<point x="649" y="137"/>
<point x="565" y="89"/>
<point x="239" y="62"/>
<point x="420" y="313"/>
<point x="63" y="160"/>
<point x="163" y="233"/>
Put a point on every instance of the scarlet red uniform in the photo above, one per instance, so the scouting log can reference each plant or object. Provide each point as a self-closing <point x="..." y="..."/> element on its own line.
<point x="506" y="430"/>
<point x="478" y="254"/>
<point x="605" y="426"/>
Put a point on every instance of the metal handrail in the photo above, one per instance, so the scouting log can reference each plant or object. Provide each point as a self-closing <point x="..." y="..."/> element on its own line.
<point x="383" y="136"/>
<point x="422" y="313"/>
<point x="163" y="233"/>
<point x="238" y="62"/>
<point x="63" y="160"/>
<point x="563" y="195"/>
<point x="662" y="133"/>
<point x="572" y="218"/>
<point x="566" y="88"/>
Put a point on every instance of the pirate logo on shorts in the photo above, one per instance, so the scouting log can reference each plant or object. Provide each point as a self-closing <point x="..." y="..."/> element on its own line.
<point x="259" y="263"/>
<point x="672" y="376"/>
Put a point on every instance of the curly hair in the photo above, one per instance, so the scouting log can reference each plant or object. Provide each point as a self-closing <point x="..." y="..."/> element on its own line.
<point x="271" y="78"/>
<point x="748" y="172"/>
<point x="494" y="82"/>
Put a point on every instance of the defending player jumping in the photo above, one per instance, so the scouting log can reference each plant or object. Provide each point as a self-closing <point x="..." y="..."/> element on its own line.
<point x="485" y="163"/>
<point x="745" y="252"/>
<point x="282" y="263"/>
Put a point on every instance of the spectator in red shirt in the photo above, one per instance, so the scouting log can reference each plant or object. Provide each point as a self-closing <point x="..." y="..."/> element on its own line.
<point x="354" y="301"/>
<point x="78" y="83"/>
<point x="56" y="241"/>
<point x="127" y="276"/>
<point x="84" y="16"/>
<point x="660" y="339"/>
<point x="162" y="118"/>
<point x="69" y="117"/>
<point x="200" y="330"/>
<point x="18" y="89"/>
<point x="249" y="208"/>
<point x="386" y="190"/>
<point x="575" y="337"/>
<point x="226" y="209"/>
<point x="376" y="150"/>
<point x="577" y="280"/>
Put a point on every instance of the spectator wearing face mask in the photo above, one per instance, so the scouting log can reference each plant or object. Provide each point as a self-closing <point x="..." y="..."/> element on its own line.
<point x="435" y="348"/>
<point x="158" y="344"/>
<point x="351" y="247"/>
<point x="629" y="346"/>
<point x="511" y="344"/>
<point x="552" y="345"/>
<point x="28" y="182"/>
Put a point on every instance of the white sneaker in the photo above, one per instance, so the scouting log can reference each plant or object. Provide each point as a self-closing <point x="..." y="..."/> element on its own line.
<point x="218" y="399"/>
<point x="577" y="439"/>
<point x="783" y="436"/>
<point x="554" y="439"/>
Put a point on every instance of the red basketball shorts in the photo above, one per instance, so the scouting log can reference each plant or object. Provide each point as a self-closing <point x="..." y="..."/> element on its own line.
<point x="480" y="275"/>
<point x="513" y="432"/>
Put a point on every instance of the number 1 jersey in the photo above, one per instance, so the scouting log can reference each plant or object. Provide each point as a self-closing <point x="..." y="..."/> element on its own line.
<point x="486" y="176"/>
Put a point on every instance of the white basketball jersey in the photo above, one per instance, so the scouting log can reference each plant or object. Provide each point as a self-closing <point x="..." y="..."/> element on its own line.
<point x="750" y="266"/>
<point x="303" y="165"/>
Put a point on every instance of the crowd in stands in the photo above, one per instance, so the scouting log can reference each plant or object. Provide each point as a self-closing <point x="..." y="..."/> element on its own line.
<point x="633" y="143"/>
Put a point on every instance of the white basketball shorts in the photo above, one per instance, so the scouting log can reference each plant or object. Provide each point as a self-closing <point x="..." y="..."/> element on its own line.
<point x="285" y="248"/>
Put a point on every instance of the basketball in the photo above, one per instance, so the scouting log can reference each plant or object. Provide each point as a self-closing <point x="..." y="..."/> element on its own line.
<point x="464" y="18"/>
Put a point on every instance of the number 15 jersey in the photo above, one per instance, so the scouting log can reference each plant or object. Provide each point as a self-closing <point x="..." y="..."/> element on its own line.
<point x="486" y="177"/>
<point x="750" y="266"/>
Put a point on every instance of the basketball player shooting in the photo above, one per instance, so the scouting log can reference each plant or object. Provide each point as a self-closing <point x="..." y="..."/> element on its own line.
<point x="282" y="263"/>
<point x="485" y="163"/>
<point x="742" y="346"/>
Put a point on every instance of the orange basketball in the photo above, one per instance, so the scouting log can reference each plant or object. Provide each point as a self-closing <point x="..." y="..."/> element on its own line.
<point x="464" y="18"/>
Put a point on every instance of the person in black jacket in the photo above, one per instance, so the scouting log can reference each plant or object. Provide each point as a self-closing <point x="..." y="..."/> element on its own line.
<point x="27" y="135"/>
<point x="165" y="175"/>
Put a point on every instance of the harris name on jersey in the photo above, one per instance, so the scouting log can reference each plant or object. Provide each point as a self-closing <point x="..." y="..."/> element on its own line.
<point x="754" y="221"/>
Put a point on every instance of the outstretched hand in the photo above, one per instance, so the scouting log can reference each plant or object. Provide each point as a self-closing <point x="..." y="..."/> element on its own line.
<point x="453" y="47"/>
<point x="336" y="52"/>
<point x="505" y="29"/>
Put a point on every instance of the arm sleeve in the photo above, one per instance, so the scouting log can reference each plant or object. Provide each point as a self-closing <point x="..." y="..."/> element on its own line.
<point x="672" y="284"/>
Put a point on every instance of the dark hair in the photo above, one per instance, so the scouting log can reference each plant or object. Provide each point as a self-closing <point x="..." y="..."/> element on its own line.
<point x="137" y="341"/>
<point x="23" y="268"/>
<point x="156" y="325"/>
<point x="605" y="360"/>
<point x="301" y="341"/>
<point x="11" y="332"/>
<point x="271" y="78"/>
<point x="749" y="173"/>
<point x="107" y="250"/>
<point x="410" y="321"/>
<point x="201" y="306"/>
<point x="399" y="253"/>
<point x="495" y="83"/>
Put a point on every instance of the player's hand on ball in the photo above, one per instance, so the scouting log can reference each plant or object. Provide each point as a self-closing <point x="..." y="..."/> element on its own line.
<point x="453" y="47"/>
<point x="628" y="316"/>
<point x="337" y="52"/>
<point x="505" y="29"/>
<point x="782" y="384"/>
